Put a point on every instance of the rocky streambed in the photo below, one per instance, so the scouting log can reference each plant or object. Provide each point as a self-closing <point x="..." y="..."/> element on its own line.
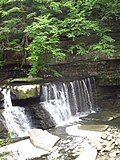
<point x="96" y="140"/>
<point x="83" y="145"/>
<point x="96" y="137"/>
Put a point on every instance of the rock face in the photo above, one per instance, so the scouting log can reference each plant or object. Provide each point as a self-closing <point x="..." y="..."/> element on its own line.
<point x="3" y="129"/>
<point x="1" y="100"/>
<point x="39" y="116"/>
<point x="25" y="91"/>
<point x="108" y="97"/>
<point x="42" y="139"/>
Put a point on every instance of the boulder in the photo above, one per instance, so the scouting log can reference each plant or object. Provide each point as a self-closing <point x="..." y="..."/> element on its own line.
<point x="42" y="139"/>
<point x="21" y="150"/>
<point x="40" y="117"/>
<point x="25" y="91"/>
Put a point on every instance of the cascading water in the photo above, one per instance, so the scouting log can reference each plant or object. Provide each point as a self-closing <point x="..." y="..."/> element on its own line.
<point x="65" y="103"/>
<point x="15" y="117"/>
<point x="56" y="102"/>
<point x="66" y="100"/>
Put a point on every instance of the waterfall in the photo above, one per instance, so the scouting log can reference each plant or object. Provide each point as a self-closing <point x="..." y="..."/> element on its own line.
<point x="56" y="101"/>
<point x="15" y="117"/>
<point x="66" y="100"/>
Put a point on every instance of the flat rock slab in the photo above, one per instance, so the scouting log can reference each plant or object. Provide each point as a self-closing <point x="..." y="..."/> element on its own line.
<point x="22" y="150"/>
<point x="40" y="143"/>
<point x="104" y="116"/>
<point x="42" y="139"/>
<point x="76" y="131"/>
<point x="93" y="127"/>
<point x="88" y="153"/>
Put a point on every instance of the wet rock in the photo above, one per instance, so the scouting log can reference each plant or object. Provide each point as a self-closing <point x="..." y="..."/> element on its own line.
<point x="115" y="122"/>
<point x="102" y="117"/>
<point x="78" y="143"/>
<point x="39" y="116"/>
<point x="42" y="139"/>
<point x="1" y="100"/>
<point x="3" y="129"/>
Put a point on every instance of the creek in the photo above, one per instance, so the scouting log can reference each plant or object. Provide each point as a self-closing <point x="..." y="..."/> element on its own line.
<point x="65" y="104"/>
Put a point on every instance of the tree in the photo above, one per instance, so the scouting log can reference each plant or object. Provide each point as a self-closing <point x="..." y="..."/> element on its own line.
<point x="39" y="28"/>
<point x="15" y="15"/>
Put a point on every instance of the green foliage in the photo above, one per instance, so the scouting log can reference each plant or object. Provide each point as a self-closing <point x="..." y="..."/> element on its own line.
<point x="3" y="142"/>
<point x="40" y="28"/>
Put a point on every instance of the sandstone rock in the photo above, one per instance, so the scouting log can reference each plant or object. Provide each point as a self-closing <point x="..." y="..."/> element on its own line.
<point x="88" y="153"/>
<point x="106" y="149"/>
<point x="92" y="135"/>
<point x="110" y="137"/>
<point x="99" y="147"/>
<point x="117" y="142"/>
<point x="93" y="127"/>
<point x="104" y="136"/>
<point x="42" y="139"/>
<point x="22" y="150"/>
<point x="113" y="154"/>
<point x="25" y="91"/>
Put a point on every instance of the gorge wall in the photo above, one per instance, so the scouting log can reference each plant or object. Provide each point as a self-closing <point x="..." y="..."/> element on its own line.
<point x="105" y="70"/>
<point x="106" y="73"/>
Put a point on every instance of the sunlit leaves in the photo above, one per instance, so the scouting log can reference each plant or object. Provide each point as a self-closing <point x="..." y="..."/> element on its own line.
<point x="40" y="27"/>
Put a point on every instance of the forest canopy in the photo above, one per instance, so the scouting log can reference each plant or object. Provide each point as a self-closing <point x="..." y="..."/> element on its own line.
<point x="37" y="29"/>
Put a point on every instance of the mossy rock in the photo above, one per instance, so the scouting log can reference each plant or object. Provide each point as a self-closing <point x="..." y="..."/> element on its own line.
<point x="101" y="117"/>
<point x="25" y="91"/>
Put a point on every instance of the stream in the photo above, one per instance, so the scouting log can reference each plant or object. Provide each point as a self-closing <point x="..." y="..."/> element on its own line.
<point x="71" y="107"/>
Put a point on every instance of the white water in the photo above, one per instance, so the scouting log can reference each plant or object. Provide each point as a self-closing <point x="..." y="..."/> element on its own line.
<point x="58" y="105"/>
<point x="15" y="117"/>
<point x="66" y="102"/>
